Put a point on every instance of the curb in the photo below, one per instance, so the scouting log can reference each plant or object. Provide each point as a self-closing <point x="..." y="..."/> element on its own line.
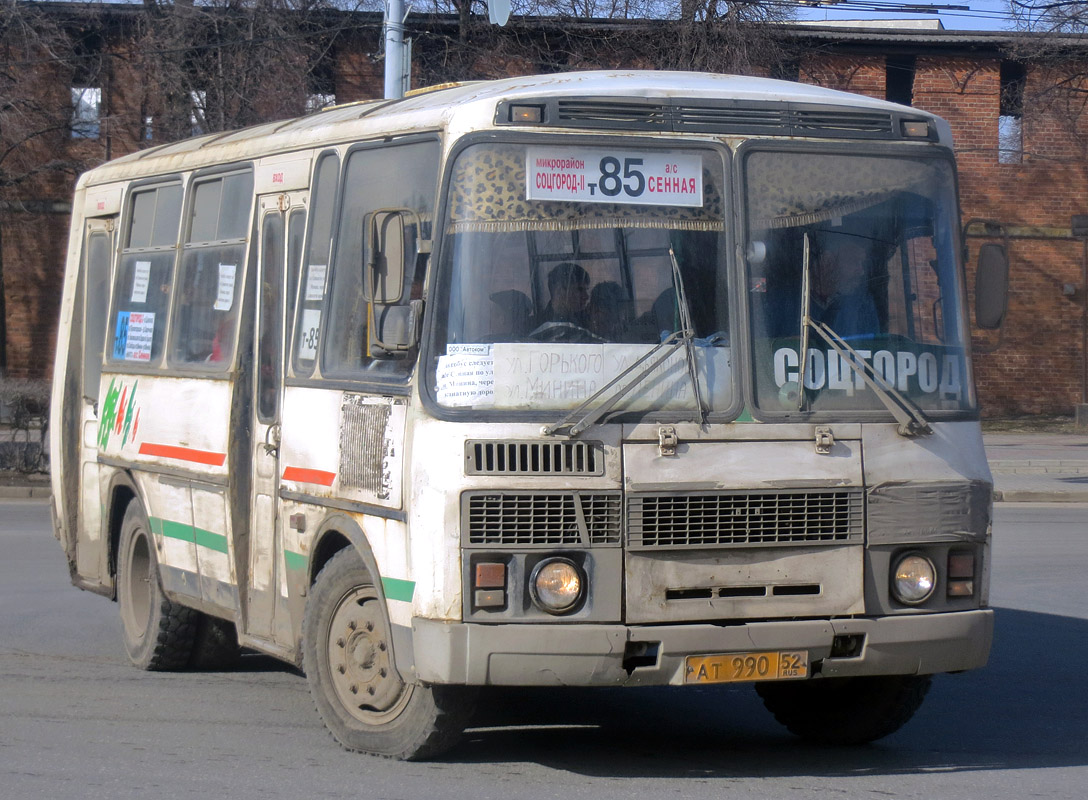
<point x="1029" y="496"/>
<point x="25" y="492"/>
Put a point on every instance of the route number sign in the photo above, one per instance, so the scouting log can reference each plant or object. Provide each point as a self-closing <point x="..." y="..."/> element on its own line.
<point x="592" y="175"/>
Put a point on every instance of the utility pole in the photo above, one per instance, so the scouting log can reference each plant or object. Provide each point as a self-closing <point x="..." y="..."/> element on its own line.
<point x="1079" y="228"/>
<point x="396" y="64"/>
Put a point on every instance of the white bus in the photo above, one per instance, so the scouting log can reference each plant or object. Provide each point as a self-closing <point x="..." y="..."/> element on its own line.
<point x="592" y="379"/>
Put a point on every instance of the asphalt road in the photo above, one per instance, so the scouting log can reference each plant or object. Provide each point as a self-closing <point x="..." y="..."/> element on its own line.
<point x="76" y="721"/>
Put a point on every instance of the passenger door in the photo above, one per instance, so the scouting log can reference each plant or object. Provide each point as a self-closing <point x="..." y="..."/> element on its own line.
<point x="98" y="254"/>
<point x="281" y="223"/>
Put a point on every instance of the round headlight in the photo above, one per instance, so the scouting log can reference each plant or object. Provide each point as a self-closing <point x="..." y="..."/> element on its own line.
<point x="556" y="585"/>
<point x="913" y="579"/>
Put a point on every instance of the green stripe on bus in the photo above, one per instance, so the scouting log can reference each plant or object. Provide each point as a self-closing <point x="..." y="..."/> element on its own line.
<point x="294" y="560"/>
<point x="176" y="530"/>
<point x="187" y="533"/>
<point x="396" y="589"/>
<point x="213" y="541"/>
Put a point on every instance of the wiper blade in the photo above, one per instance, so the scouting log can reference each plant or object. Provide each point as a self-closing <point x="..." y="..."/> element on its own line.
<point x="912" y="422"/>
<point x="590" y="417"/>
<point x="689" y="338"/>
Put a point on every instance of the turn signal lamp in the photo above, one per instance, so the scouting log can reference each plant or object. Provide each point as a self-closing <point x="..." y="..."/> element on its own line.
<point x="489" y="585"/>
<point x="915" y="129"/>
<point x="961" y="574"/>
<point x="527" y="115"/>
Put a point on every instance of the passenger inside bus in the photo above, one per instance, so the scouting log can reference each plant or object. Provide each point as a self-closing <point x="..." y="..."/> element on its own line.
<point x="840" y="294"/>
<point x="610" y="311"/>
<point x="511" y="316"/>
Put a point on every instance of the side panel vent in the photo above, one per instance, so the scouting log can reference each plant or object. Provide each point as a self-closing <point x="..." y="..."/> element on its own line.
<point x="493" y="519"/>
<point x="745" y="519"/>
<point x="533" y="458"/>
<point x="363" y="445"/>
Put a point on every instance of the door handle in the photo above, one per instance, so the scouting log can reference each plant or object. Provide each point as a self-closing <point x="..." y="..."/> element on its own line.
<point x="272" y="439"/>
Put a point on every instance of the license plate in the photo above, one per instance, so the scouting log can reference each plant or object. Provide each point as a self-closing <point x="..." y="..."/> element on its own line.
<point x="743" y="667"/>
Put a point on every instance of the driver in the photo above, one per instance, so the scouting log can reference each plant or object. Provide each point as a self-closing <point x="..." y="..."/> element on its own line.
<point x="568" y="285"/>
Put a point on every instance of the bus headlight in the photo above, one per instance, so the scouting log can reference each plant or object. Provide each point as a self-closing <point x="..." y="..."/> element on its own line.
<point x="556" y="585"/>
<point x="913" y="579"/>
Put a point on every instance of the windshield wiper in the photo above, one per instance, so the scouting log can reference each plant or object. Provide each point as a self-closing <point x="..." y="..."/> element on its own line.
<point x="912" y="422"/>
<point x="685" y="336"/>
<point x="689" y="337"/>
<point x="588" y="418"/>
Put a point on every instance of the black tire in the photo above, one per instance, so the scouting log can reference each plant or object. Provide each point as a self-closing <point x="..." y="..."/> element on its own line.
<point x="845" y="711"/>
<point x="215" y="646"/>
<point x="158" y="633"/>
<point x="361" y="697"/>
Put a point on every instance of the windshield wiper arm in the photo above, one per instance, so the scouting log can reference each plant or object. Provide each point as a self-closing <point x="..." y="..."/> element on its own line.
<point x="589" y="417"/>
<point x="912" y="422"/>
<point x="689" y="338"/>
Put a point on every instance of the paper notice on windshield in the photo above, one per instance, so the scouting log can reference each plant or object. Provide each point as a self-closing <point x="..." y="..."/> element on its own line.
<point x="466" y="376"/>
<point x="225" y="297"/>
<point x="593" y="175"/>
<point x="315" y="282"/>
<point x="141" y="278"/>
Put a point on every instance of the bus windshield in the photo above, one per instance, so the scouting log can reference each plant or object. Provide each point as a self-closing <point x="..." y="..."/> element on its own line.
<point x="557" y="275"/>
<point x="867" y="245"/>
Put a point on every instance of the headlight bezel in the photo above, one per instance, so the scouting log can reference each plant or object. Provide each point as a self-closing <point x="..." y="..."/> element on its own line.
<point x="579" y="576"/>
<point x="894" y="580"/>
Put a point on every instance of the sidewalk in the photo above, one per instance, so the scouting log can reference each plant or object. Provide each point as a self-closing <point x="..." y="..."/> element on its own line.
<point x="1027" y="468"/>
<point x="1038" y="467"/>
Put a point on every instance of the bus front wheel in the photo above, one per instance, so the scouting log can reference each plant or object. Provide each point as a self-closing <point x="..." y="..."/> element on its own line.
<point x="845" y="711"/>
<point x="158" y="633"/>
<point x="365" y="703"/>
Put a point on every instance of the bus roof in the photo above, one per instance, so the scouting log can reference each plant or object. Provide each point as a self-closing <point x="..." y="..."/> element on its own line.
<point x="461" y="108"/>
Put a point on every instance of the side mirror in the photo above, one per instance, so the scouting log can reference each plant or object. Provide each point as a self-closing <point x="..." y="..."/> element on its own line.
<point x="389" y="243"/>
<point x="991" y="287"/>
<point x="395" y="329"/>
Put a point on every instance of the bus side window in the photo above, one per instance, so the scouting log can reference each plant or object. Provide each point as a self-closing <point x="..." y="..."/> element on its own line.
<point x="145" y="272"/>
<point x="211" y="274"/>
<point x="97" y="297"/>
<point x="389" y="176"/>
<point x="296" y="229"/>
<point x="311" y="299"/>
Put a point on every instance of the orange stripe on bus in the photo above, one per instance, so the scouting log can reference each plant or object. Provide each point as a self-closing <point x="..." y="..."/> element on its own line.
<point x="183" y="454"/>
<point x="302" y="475"/>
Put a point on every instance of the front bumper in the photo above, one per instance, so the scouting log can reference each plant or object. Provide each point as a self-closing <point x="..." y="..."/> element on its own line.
<point x="594" y="655"/>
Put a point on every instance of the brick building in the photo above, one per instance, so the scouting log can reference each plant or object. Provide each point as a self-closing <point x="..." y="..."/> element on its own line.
<point x="1011" y="100"/>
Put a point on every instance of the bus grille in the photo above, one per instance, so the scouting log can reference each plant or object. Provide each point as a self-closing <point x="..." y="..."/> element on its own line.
<point x="545" y="519"/>
<point x="533" y="458"/>
<point x="745" y="519"/>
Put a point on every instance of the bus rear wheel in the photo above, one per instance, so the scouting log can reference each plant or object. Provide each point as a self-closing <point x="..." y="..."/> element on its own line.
<point x="158" y="633"/>
<point x="845" y="711"/>
<point x="347" y="656"/>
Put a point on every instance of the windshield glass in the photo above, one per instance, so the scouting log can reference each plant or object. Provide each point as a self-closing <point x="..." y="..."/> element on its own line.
<point x="557" y="275"/>
<point x="883" y="273"/>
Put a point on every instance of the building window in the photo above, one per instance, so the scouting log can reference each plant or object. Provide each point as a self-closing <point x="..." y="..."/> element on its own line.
<point x="1010" y="122"/>
<point x="86" y="112"/>
<point x="899" y="79"/>
<point x="787" y="69"/>
<point x="198" y="112"/>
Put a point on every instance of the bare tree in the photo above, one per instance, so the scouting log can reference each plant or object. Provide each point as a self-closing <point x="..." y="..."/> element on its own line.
<point x="39" y="57"/>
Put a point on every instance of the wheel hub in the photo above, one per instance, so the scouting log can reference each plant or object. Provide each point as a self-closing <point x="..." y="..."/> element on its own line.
<point x="360" y="663"/>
